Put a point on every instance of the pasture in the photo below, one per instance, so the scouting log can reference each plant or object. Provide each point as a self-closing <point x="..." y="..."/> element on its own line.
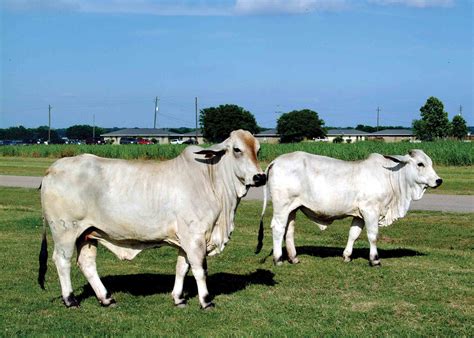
<point x="446" y="153"/>
<point x="423" y="288"/>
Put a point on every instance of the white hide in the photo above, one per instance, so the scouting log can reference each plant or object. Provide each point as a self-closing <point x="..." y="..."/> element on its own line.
<point x="188" y="202"/>
<point x="377" y="190"/>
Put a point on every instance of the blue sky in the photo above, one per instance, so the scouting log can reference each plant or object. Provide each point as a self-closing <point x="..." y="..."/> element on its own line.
<point x="341" y="58"/>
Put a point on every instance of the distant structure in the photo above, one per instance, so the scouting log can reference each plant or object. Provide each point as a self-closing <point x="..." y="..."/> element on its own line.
<point x="393" y="135"/>
<point x="348" y="135"/>
<point x="162" y="136"/>
<point x="165" y="136"/>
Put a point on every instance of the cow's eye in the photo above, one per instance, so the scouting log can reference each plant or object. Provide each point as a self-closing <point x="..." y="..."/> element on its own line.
<point x="237" y="150"/>
<point x="421" y="164"/>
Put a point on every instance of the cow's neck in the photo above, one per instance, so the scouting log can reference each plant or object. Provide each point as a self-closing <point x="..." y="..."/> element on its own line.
<point x="228" y="191"/>
<point x="401" y="195"/>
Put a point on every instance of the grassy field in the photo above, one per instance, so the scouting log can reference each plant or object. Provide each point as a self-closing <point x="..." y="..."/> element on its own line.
<point x="448" y="153"/>
<point x="457" y="180"/>
<point x="423" y="288"/>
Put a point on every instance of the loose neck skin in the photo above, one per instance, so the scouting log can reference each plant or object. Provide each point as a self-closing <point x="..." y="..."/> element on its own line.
<point x="403" y="191"/>
<point x="228" y="190"/>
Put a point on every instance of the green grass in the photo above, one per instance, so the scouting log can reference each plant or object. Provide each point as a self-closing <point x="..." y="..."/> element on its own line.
<point x="423" y="288"/>
<point x="448" y="153"/>
<point x="24" y="166"/>
<point x="457" y="180"/>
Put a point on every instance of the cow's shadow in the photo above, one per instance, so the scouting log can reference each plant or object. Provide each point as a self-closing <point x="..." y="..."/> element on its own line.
<point x="221" y="283"/>
<point x="329" y="251"/>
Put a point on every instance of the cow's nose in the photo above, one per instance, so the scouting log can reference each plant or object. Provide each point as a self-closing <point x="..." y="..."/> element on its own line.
<point x="438" y="182"/>
<point x="260" y="179"/>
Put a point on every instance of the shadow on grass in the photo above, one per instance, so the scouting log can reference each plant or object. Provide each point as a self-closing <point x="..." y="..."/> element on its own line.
<point x="149" y="284"/>
<point x="328" y="251"/>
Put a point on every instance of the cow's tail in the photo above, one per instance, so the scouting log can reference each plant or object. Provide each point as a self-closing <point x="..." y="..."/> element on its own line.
<point x="265" y="199"/>
<point x="43" y="257"/>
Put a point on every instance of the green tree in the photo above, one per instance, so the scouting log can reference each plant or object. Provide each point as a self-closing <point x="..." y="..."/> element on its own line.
<point x="300" y="124"/>
<point x="459" y="127"/>
<point x="434" y="123"/>
<point x="41" y="133"/>
<point x="218" y="122"/>
<point x="82" y="132"/>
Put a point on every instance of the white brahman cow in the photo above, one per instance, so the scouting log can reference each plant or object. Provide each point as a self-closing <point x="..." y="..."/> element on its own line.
<point x="375" y="192"/>
<point x="188" y="202"/>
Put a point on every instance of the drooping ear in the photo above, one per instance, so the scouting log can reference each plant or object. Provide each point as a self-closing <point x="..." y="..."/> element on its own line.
<point x="398" y="158"/>
<point x="215" y="150"/>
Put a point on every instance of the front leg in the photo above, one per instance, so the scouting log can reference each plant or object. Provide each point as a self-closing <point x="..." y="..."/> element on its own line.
<point x="372" y="227"/>
<point x="356" y="228"/>
<point x="196" y="254"/>
<point x="182" y="267"/>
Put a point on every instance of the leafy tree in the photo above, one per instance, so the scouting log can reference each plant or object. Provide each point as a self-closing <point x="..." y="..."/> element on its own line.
<point x="218" y="122"/>
<point x="82" y="131"/>
<point x="370" y="129"/>
<point x="434" y="121"/>
<point x="459" y="127"/>
<point x="181" y="130"/>
<point x="41" y="133"/>
<point x="300" y="124"/>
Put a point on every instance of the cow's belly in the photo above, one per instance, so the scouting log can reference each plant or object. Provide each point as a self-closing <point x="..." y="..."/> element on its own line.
<point x="133" y="227"/>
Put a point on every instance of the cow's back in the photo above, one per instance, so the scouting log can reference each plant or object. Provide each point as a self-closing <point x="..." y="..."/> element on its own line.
<point x="325" y="184"/>
<point x="143" y="200"/>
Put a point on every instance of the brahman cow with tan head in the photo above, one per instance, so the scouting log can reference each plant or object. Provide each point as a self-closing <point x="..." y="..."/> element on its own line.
<point x="188" y="202"/>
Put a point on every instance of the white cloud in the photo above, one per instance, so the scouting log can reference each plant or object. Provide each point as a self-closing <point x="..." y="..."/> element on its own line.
<point x="415" y="3"/>
<point x="251" y="7"/>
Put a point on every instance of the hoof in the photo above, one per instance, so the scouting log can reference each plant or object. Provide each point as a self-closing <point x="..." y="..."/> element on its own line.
<point x="375" y="264"/>
<point x="295" y="260"/>
<point x="278" y="262"/>
<point x="110" y="302"/>
<point x="208" y="306"/>
<point x="347" y="259"/>
<point x="181" y="305"/>
<point x="71" y="301"/>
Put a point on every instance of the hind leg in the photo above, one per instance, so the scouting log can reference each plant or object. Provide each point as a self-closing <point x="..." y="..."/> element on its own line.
<point x="279" y="225"/>
<point x="86" y="259"/>
<point x="290" y="239"/>
<point x="62" y="254"/>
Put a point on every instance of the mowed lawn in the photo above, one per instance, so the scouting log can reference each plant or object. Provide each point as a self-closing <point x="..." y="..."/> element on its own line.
<point x="457" y="180"/>
<point x="424" y="287"/>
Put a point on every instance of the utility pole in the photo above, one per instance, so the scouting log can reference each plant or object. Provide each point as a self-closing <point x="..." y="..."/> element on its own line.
<point x="378" y="117"/>
<point x="196" y="111"/>
<point x="93" y="127"/>
<point x="157" y="108"/>
<point x="49" y="124"/>
<point x="460" y="110"/>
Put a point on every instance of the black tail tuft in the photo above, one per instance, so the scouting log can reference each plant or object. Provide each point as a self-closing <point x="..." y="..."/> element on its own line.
<point x="43" y="259"/>
<point x="260" y="238"/>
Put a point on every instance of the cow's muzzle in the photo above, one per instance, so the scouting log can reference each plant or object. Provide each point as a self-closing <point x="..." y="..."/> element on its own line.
<point x="439" y="181"/>
<point x="260" y="179"/>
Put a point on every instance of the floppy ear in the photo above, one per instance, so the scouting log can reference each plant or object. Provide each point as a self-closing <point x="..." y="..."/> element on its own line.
<point x="211" y="152"/>
<point x="398" y="158"/>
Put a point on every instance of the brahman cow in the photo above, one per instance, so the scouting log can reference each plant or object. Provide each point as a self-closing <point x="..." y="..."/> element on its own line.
<point x="375" y="192"/>
<point x="188" y="202"/>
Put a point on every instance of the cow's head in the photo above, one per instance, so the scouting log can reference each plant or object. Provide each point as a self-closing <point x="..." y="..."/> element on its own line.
<point x="419" y="171"/>
<point x="242" y="149"/>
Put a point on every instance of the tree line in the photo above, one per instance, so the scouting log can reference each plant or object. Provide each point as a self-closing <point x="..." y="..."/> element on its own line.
<point x="293" y="126"/>
<point x="297" y="125"/>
